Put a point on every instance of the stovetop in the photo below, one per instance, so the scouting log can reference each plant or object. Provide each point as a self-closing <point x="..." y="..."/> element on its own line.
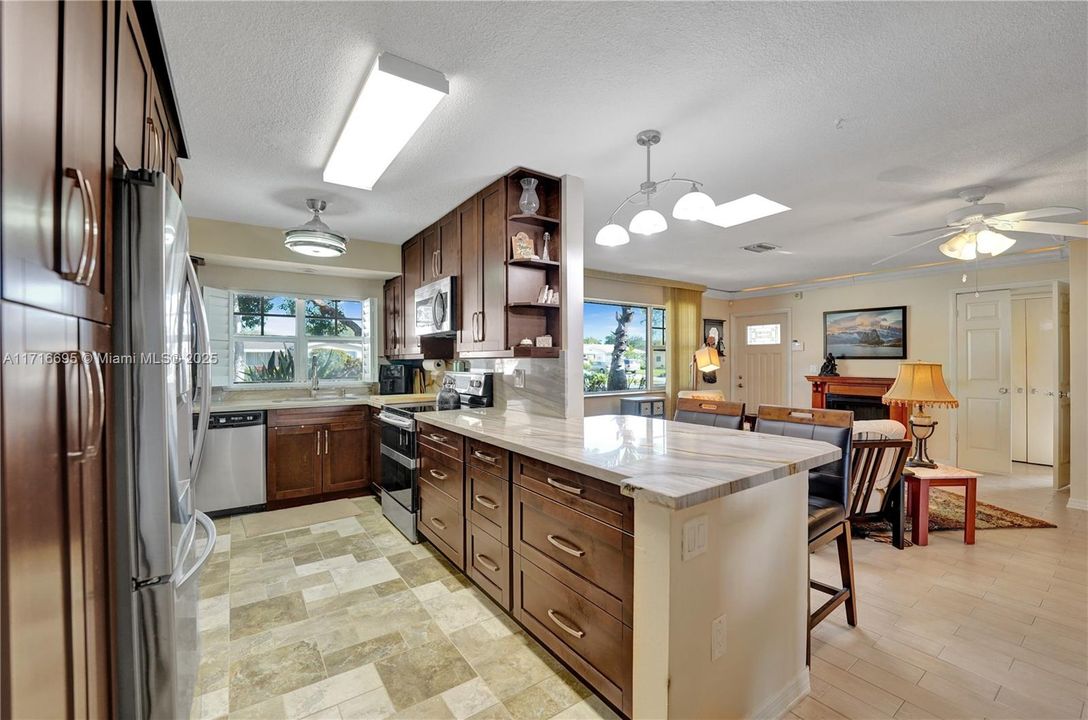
<point x="409" y="409"/>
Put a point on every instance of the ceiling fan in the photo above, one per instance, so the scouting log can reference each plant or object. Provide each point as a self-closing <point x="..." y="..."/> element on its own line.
<point x="977" y="228"/>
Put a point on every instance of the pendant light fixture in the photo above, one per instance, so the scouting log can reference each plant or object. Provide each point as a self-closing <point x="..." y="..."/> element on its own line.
<point x="692" y="205"/>
<point x="315" y="238"/>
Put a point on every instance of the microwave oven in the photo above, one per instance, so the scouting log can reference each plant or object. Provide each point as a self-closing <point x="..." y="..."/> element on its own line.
<point x="435" y="308"/>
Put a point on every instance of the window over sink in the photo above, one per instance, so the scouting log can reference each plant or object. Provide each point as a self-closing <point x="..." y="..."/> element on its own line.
<point x="285" y="338"/>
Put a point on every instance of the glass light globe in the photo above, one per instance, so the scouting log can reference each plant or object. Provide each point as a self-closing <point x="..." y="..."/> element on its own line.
<point x="648" y="222"/>
<point x="693" y="205"/>
<point x="612" y="235"/>
<point x="960" y="246"/>
<point x="993" y="243"/>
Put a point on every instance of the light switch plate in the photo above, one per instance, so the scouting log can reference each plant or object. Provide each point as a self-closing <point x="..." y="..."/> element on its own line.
<point x="717" y="638"/>
<point x="695" y="538"/>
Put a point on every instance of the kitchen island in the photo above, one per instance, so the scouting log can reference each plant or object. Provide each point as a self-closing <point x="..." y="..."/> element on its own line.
<point x="665" y="563"/>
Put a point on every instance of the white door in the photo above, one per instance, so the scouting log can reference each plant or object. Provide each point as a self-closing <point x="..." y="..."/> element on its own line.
<point x="1019" y="367"/>
<point x="761" y="360"/>
<point x="983" y="347"/>
<point x="1041" y="346"/>
<point x="1061" y="385"/>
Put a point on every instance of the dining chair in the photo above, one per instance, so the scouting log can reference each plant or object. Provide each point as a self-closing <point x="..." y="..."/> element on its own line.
<point x="718" y="413"/>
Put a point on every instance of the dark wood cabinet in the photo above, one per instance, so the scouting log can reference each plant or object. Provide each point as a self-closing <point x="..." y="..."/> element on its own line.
<point x="482" y="222"/>
<point x="315" y="453"/>
<point x="469" y="282"/>
<point x="393" y="330"/>
<point x="412" y="264"/>
<point x="134" y="80"/>
<point x="374" y="445"/>
<point x="442" y="249"/>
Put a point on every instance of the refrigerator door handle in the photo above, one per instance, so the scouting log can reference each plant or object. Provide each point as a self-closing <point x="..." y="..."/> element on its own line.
<point x="209" y="528"/>
<point x="205" y="388"/>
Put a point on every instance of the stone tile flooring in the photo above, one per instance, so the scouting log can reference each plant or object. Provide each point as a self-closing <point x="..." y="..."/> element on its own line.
<point x="345" y="619"/>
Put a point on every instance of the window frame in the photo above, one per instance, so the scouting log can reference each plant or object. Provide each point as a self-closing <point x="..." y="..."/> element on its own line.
<point x="650" y="348"/>
<point x="302" y="340"/>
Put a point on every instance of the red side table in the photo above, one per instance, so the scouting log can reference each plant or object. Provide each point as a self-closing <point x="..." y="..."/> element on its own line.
<point x="920" y="480"/>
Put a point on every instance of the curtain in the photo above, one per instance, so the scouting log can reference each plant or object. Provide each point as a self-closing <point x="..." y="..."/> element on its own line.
<point x="684" y="330"/>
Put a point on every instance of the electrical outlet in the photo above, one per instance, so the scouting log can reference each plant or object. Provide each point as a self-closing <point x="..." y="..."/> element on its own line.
<point x="717" y="638"/>
<point x="519" y="378"/>
<point x="695" y="538"/>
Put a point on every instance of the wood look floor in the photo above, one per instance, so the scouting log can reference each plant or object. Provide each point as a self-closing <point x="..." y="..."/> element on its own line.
<point x="994" y="630"/>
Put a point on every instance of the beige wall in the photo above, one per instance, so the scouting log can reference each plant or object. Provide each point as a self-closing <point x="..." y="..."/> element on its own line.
<point x="1078" y="373"/>
<point x="927" y="298"/>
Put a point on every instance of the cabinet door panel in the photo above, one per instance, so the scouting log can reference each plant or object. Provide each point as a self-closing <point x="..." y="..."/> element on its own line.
<point x="156" y="128"/>
<point x="469" y="282"/>
<point x="448" y="257"/>
<point x="392" y="332"/>
<point x="374" y="440"/>
<point x="134" y="81"/>
<point x="493" y="244"/>
<point x="346" y="457"/>
<point x="294" y="461"/>
<point x="412" y="262"/>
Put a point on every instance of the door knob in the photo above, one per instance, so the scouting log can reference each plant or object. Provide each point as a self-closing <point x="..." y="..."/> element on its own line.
<point x="740" y="385"/>
<point x="1020" y="391"/>
<point x="1050" y="393"/>
<point x="1003" y="391"/>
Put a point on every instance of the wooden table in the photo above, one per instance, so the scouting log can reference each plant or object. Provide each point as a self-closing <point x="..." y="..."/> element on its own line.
<point x="920" y="480"/>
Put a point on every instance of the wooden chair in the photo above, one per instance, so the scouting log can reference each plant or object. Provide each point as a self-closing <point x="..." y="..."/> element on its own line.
<point x="718" y="413"/>
<point x="828" y="497"/>
<point x="871" y="461"/>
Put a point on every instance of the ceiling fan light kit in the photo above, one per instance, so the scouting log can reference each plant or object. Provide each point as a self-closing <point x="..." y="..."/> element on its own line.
<point x="315" y="238"/>
<point x="694" y="205"/>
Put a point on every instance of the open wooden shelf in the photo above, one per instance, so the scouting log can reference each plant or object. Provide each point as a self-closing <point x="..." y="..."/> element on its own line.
<point x="521" y="351"/>
<point x="541" y="220"/>
<point x="554" y="306"/>
<point x="535" y="263"/>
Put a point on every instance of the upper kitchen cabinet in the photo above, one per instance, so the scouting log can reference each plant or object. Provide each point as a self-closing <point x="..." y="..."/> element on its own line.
<point x="483" y="271"/>
<point x="412" y="266"/>
<point x="442" y="249"/>
<point x="393" y="327"/>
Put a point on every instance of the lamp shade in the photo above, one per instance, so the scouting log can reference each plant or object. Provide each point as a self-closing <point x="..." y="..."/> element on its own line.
<point x="989" y="242"/>
<point x="693" y="205"/>
<point x="648" y="222"/>
<point x="612" y="235"/>
<point x="706" y="359"/>
<point x="959" y="247"/>
<point x="920" y="383"/>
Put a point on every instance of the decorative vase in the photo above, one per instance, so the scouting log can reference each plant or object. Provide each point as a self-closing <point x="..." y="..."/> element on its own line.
<point x="529" y="202"/>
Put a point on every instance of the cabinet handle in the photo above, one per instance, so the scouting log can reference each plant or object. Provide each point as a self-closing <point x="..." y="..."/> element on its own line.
<point x="326" y="442"/>
<point x="81" y="267"/>
<point x="153" y="159"/>
<point x="438" y="523"/>
<point x="482" y="334"/>
<point x="566" y="628"/>
<point x="438" y="438"/>
<point x="438" y="254"/>
<point x="317" y="437"/>
<point x="485" y="457"/>
<point x="564" y="487"/>
<point x="437" y="475"/>
<point x="100" y="382"/>
<point x="566" y="547"/>
<point x="92" y="260"/>
<point x="487" y="502"/>
<point x="475" y="334"/>
<point x="92" y="434"/>
<point x="487" y="562"/>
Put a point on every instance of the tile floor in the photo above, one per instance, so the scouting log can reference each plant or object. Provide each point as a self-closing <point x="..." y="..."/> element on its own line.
<point x="346" y="619"/>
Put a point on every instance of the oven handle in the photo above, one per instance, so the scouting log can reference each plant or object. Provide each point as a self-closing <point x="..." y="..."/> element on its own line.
<point x="398" y="458"/>
<point x="400" y="422"/>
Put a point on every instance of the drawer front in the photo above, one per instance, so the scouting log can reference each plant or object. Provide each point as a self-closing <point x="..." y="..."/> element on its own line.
<point x="442" y="523"/>
<point x="595" y="552"/>
<point x="443" y="472"/>
<point x="593" y="642"/>
<point x="444" y="441"/>
<point x="489" y="503"/>
<point x="487" y="561"/>
<point x="596" y="498"/>
<point x="488" y="457"/>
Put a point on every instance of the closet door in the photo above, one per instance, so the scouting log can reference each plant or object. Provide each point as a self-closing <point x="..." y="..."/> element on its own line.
<point x="1041" y="345"/>
<point x="1019" y="367"/>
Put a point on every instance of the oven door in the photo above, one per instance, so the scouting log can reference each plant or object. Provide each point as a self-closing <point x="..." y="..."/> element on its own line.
<point x="399" y="480"/>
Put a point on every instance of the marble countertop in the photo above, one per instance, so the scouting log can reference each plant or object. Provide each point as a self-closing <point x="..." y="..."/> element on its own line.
<point x="305" y="402"/>
<point x="677" y="465"/>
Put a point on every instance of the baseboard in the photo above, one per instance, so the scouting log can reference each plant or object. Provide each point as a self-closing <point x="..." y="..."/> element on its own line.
<point x="1077" y="504"/>
<point x="786" y="698"/>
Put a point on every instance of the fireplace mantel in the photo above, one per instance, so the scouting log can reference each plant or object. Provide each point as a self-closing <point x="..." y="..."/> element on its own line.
<point x="824" y="385"/>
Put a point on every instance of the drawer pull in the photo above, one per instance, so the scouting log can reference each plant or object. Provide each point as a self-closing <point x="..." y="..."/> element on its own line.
<point x="566" y="628"/>
<point x="437" y="475"/>
<point x="438" y="523"/>
<point x="564" y="487"/>
<point x="485" y="457"/>
<point x="566" y="547"/>
<point x="487" y="502"/>
<point x="438" y="438"/>
<point x="487" y="562"/>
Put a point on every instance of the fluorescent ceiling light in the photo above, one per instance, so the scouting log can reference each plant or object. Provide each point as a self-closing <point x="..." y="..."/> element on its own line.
<point x="396" y="98"/>
<point x="742" y="210"/>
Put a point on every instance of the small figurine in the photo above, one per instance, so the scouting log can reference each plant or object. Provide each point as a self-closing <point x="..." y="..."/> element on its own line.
<point x="830" y="367"/>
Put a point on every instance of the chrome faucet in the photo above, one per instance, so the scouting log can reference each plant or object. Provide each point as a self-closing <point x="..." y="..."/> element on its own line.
<point x="315" y="381"/>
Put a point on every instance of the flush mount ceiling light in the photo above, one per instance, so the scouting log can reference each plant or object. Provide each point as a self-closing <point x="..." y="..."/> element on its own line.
<point x="396" y="98"/>
<point x="693" y="205"/>
<point x="315" y="238"/>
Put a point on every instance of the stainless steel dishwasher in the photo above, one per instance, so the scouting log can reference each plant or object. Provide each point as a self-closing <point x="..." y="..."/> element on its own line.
<point x="231" y="477"/>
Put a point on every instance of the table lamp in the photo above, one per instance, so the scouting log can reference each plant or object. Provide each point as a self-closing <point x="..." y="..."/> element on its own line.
<point x="705" y="360"/>
<point x="920" y="384"/>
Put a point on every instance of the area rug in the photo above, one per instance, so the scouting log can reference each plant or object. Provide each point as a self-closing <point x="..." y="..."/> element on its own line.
<point x="946" y="513"/>
<point x="297" y="517"/>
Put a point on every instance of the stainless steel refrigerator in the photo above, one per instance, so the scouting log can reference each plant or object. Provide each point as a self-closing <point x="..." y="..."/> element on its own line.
<point x="159" y="331"/>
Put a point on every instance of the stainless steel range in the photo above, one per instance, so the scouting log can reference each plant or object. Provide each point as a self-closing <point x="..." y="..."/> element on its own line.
<point x="399" y="462"/>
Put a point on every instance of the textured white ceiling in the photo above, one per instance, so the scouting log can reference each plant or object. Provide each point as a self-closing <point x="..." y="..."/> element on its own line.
<point x="865" y="118"/>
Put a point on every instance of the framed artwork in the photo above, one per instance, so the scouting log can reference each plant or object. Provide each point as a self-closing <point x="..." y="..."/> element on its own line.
<point x="714" y="329"/>
<point x="867" y="333"/>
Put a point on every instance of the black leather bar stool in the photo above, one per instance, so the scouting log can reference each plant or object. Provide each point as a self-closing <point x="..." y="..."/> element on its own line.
<point x="718" y="413"/>
<point x="828" y="497"/>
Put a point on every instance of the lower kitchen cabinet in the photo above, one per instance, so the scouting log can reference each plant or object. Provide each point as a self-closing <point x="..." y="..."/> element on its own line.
<point x="315" y="454"/>
<point x="374" y="446"/>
